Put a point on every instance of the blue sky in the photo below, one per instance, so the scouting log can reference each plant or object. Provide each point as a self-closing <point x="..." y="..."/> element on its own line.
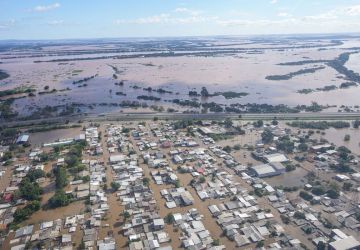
<point x="63" y="19"/>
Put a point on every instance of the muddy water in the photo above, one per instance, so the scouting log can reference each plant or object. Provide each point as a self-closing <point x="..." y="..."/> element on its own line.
<point x="38" y="139"/>
<point x="294" y="178"/>
<point x="336" y="136"/>
<point x="354" y="63"/>
<point x="240" y="72"/>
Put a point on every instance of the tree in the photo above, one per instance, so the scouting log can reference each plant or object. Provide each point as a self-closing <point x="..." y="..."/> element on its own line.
<point x="216" y="242"/>
<point x="267" y="136"/>
<point x="202" y="179"/>
<point x="356" y="123"/>
<point x="303" y="147"/>
<point x="24" y="213"/>
<point x="204" y="92"/>
<point x="35" y="174"/>
<point x="146" y="181"/>
<point x="284" y="219"/>
<point x="228" y="123"/>
<point x="169" y="218"/>
<point x="347" y="186"/>
<point x="60" y="199"/>
<point x="299" y="215"/>
<point x="61" y="177"/>
<point x="126" y="215"/>
<point x="258" y="124"/>
<point x="347" y="138"/>
<point x="333" y="194"/>
<point x="305" y="195"/>
<point x="318" y="190"/>
<point x="227" y="149"/>
<point x="237" y="147"/>
<point x="290" y="168"/>
<point x="260" y="244"/>
<point x="285" y="144"/>
<point x="29" y="190"/>
<point x="115" y="186"/>
<point x="274" y="122"/>
<point x="321" y="246"/>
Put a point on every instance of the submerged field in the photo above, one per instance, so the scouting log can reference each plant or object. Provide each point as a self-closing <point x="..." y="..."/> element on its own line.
<point x="114" y="75"/>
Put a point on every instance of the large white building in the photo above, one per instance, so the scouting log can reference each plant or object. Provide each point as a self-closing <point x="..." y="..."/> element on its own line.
<point x="268" y="170"/>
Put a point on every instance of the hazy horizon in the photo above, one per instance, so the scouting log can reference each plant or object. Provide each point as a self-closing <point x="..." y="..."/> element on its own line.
<point x="64" y="19"/>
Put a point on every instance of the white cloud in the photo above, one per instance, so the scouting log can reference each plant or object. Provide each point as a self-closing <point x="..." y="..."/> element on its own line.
<point x="258" y="22"/>
<point x="321" y="17"/>
<point x="353" y="10"/>
<point x="44" y="8"/>
<point x="7" y="24"/>
<point x="56" y="22"/>
<point x="187" y="11"/>
<point x="177" y="16"/>
<point x="273" y="1"/>
<point x="284" y="14"/>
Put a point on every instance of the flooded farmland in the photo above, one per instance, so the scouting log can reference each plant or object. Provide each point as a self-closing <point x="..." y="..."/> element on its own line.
<point x="105" y="78"/>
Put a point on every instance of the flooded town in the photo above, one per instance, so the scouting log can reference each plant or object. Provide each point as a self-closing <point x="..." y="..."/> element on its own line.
<point x="182" y="124"/>
<point x="191" y="184"/>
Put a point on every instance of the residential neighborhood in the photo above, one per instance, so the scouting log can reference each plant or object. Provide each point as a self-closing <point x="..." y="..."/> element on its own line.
<point x="179" y="184"/>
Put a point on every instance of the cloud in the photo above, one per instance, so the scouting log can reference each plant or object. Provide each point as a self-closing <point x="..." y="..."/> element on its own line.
<point x="273" y="1"/>
<point x="284" y="14"/>
<point x="7" y="24"/>
<point x="258" y="22"/>
<point x="55" y="22"/>
<point x="177" y="16"/>
<point x="44" y="8"/>
<point x="353" y="10"/>
<point x="187" y="11"/>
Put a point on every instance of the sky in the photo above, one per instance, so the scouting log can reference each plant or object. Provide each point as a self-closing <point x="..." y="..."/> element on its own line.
<point x="71" y="19"/>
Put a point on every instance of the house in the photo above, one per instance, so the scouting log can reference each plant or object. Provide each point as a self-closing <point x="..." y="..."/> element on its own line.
<point x="348" y="243"/>
<point x="22" y="139"/>
<point x="271" y="158"/>
<point x="158" y="224"/>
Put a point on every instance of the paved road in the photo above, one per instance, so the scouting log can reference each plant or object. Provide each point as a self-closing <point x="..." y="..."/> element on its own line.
<point x="181" y="116"/>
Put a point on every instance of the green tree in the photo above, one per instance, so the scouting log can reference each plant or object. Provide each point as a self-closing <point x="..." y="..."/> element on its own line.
<point x="303" y="147"/>
<point x="258" y="124"/>
<point x="126" y="215"/>
<point x="61" y="177"/>
<point x="60" y="199"/>
<point x="35" y="174"/>
<point x="204" y="92"/>
<point x="29" y="190"/>
<point x="267" y="136"/>
<point x="169" y="218"/>
<point x="228" y="123"/>
<point x="347" y="138"/>
<point x="227" y="149"/>
<point x="115" y="186"/>
<point x="275" y="122"/>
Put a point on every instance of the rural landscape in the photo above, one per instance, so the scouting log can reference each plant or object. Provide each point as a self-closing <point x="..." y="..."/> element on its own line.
<point x="207" y="141"/>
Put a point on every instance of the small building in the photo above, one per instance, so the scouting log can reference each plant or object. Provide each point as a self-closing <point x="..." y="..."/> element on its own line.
<point x="348" y="243"/>
<point x="22" y="139"/>
<point x="270" y="158"/>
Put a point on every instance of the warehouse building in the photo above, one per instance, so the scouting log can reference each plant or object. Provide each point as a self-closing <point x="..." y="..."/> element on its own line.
<point x="267" y="170"/>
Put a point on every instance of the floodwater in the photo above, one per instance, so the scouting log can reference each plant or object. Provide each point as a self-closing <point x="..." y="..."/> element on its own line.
<point x="336" y="136"/>
<point x="354" y="63"/>
<point x="39" y="138"/>
<point x="239" y="72"/>
<point x="294" y="178"/>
